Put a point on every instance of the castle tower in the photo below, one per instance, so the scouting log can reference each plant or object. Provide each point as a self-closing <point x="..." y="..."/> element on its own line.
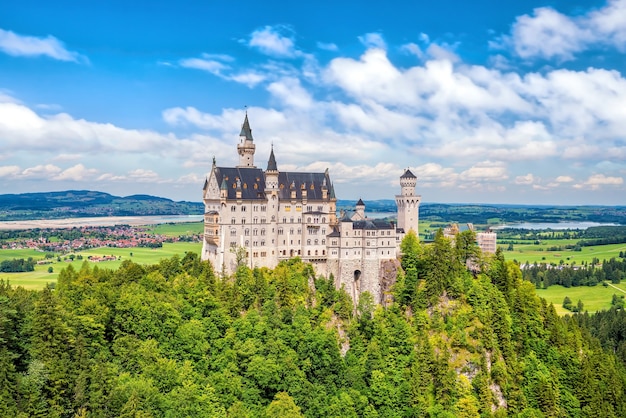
<point x="408" y="203"/>
<point x="246" y="146"/>
<point x="360" y="210"/>
<point x="271" y="174"/>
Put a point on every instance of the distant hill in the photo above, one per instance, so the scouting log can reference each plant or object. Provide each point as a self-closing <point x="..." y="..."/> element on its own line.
<point x="84" y="203"/>
<point x="498" y="213"/>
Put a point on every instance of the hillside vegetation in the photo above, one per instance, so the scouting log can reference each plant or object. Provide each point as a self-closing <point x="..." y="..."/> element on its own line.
<point x="176" y="340"/>
<point x="85" y="203"/>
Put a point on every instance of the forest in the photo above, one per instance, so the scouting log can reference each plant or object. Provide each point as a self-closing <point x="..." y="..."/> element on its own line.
<point x="177" y="339"/>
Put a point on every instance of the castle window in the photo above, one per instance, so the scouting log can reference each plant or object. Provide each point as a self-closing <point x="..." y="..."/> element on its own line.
<point x="316" y="242"/>
<point x="308" y="252"/>
<point x="233" y="232"/>
<point x="246" y="232"/>
<point x="243" y="208"/>
<point x="243" y="221"/>
<point x="255" y="243"/>
<point x="262" y="243"/>
<point x="255" y="220"/>
<point x="309" y="208"/>
<point x="315" y="252"/>
<point x="284" y="220"/>
<point x="291" y="231"/>
<point x="320" y="208"/>
<point x="291" y="220"/>
<point x="299" y="252"/>
<point x="255" y="254"/>
<point x="233" y="244"/>
<point x="233" y="220"/>
<point x="299" y="220"/>
<point x="263" y="220"/>
<point x="263" y="254"/>
<point x="255" y="232"/>
<point x="262" y="232"/>
<point x="233" y="208"/>
<point x="263" y="208"/>
<point x="247" y="243"/>
<point x="323" y="220"/>
<point x="308" y="242"/>
<point x="323" y="242"/>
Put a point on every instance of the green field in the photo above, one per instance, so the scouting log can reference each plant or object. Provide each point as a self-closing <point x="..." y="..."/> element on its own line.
<point x="538" y="253"/>
<point x="40" y="277"/>
<point x="594" y="298"/>
<point x="176" y="229"/>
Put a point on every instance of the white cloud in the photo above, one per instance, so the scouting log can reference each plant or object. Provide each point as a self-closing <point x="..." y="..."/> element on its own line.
<point x="9" y="171"/>
<point x="564" y="179"/>
<point x="30" y="46"/>
<point x="327" y="46"/>
<point x="373" y="40"/>
<point x="596" y="181"/>
<point x="526" y="179"/>
<point x="549" y="34"/>
<point x="40" y="172"/>
<point x="485" y="171"/>
<point x="290" y="93"/>
<point x="211" y="66"/>
<point x="412" y="49"/>
<point x="271" y="40"/>
<point x="76" y="173"/>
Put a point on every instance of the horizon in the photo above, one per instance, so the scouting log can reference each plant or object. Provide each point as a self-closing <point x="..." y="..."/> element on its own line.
<point x="349" y="200"/>
<point x="520" y="104"/>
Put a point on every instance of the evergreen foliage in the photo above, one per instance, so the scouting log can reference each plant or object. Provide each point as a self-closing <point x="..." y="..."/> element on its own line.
<point x="177" y="340"/>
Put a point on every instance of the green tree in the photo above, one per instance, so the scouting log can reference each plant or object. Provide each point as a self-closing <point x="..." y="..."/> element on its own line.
<point x="283" y="406"/>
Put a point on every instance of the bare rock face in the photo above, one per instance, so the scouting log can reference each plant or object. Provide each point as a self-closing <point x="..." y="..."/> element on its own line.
<point x="387" y="278"/>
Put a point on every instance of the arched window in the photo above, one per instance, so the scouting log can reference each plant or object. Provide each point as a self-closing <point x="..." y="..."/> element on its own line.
<point x="246" y="232"/>
<point x="308" y="242"/>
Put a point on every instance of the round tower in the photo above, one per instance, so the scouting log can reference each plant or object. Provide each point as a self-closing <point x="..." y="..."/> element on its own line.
<point x="246" y="146"/>
<point x="408" y="203"/>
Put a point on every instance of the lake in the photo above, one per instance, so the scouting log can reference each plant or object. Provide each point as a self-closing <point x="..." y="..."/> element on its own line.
<point x="552" y="225"/>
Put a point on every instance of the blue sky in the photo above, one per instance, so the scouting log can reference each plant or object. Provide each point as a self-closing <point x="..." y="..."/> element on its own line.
<point x="486" y="102"/>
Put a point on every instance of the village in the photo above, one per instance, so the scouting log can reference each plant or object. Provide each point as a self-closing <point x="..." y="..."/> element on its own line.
<point x="53" y="240"/>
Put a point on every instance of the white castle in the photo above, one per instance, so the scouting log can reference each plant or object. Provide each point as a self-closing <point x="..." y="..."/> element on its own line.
<point x="274" y="215"/>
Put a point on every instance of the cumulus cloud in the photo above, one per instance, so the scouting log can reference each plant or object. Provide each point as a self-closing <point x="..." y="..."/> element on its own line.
<point x="274" y="41"/>
<point x="18" y="45"/>
<point x="373" y="40"/>
<point x="599" y="181"/>
<point x="76" y="173"/>
<point x="548" y="33"/>
<point x="526" y="179"/>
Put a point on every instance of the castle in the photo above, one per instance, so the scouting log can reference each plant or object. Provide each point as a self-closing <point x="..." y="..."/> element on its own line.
<point x="262" y="217"/>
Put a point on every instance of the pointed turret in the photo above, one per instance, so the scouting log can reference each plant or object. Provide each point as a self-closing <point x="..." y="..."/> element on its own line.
<point x="246" y="146"/>
<point x="271" y="164"/>
<point x="360" y="210"/>
<point x="246" y="132"/>
<point x="271" y="174"/>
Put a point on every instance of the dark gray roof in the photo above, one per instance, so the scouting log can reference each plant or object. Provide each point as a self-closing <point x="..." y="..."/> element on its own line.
<point x="245" y="129"/>
<point x="372" y="224"/>
<point x="271" y="164"/>
<point x="253" y="183"/>
<point x="360" y="203"/>
<point x="335" y="233"/>
<point x="408" y="175"/>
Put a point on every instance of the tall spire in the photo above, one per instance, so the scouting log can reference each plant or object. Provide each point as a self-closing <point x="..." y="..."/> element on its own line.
<point x="246" y="132"/>
<point x="271" y="164"/>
